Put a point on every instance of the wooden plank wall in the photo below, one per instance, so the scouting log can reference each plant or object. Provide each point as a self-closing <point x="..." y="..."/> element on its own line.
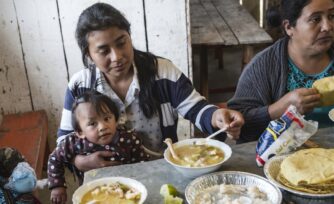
<point x="38" y="51"/>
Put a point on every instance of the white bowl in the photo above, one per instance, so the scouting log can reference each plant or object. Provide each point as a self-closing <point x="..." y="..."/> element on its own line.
<point x="82" y="190"/>
<point x="193" y="172"/>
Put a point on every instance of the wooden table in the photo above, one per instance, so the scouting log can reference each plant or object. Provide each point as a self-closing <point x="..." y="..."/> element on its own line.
<point x="219" y="23"/>
<point x="154" y="174"/>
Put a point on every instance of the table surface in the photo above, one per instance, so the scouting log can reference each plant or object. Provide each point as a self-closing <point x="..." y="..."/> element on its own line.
<point x="154" y="174"/>
<point x="224" y="22"/>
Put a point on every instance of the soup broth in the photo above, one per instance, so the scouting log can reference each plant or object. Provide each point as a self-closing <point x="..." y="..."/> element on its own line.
<point x="111" y="193"/>
<point x="198" y="155"/>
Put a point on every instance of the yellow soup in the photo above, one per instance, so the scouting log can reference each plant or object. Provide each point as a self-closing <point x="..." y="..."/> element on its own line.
<point x="198" y="155"/>
<point x="111" y="193"/>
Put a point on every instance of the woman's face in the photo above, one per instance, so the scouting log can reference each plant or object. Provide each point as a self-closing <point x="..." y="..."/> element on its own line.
<point x="111" y="50"/>
<point x="314" y="28"/>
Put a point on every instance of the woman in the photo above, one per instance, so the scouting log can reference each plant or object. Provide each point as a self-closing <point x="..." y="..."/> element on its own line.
<point x="283" y="74"/>
<point x="148" y="90"/>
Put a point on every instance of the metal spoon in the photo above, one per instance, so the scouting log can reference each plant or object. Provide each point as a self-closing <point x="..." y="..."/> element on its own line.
<point x="169" y="143"/>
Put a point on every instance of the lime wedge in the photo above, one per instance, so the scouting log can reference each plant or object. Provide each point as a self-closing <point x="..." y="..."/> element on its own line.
<point x="172" y="200"/>
<point x="168" y="190"/>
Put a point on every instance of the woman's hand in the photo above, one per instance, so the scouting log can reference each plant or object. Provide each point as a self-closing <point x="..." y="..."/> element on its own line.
<point x="304" y="99"/>
<point x="231" y="119"/>
<point x="94" y="161"/>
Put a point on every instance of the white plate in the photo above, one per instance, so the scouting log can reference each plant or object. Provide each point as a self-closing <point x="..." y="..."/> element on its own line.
<point x="271" y="170"/>
<point x="331" y="114"/>
<point x="82" y="190"/>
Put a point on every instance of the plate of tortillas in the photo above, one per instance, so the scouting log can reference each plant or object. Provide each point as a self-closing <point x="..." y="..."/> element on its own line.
<point x="331" y="114"/>
<point x="307" y="172"/>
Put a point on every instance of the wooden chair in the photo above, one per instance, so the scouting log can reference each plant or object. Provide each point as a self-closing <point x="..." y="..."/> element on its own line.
<point x="27" y="132"/>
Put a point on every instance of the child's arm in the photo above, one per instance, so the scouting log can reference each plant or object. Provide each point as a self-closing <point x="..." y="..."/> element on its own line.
<point x="56" y="169"/>
<point x="63" y="153"/>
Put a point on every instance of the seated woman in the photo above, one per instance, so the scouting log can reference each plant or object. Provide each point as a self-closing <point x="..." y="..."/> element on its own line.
<point x="283" y="74"/>
<point x="148" y="90"/>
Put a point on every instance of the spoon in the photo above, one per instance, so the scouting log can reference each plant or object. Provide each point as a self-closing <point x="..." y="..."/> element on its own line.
<point x="168" y="141"/>
<point x="216" y="133"/>
<point x="204" y="141"/>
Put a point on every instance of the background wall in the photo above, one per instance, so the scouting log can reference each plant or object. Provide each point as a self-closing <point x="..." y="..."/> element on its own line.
<point x="38" y="51"/>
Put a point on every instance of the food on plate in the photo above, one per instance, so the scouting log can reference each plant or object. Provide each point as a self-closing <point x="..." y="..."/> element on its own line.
<point x="331" y="114"/>
<point x="309" y="170"/>
<point x="325" y="87"/>
<point x="111" y="193"/>
<point x="170" y="194"/>
<point x="198" y="155"/>
<point x="232" y="193"/>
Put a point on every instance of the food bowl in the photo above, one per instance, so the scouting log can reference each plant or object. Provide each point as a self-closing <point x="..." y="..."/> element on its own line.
<point x="232" y="177"/>
<point x="192" y="172"/>
<point x="85" y="188"/>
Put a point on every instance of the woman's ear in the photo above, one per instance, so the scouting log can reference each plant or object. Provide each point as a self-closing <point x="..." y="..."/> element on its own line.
<point x="80" y="135"/>
<point x="287" y="27"/>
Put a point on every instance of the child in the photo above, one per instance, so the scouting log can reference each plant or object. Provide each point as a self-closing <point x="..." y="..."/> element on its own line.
<point x="94" y="118"/>
<point x="17" y="178"/>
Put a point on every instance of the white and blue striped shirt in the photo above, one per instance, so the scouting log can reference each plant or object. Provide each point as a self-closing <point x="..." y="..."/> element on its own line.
<point x="176" y="95"/>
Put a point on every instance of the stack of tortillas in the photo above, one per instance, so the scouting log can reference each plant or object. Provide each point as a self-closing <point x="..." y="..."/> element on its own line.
<point x="309" y="170"/>
<point x="331" y="114"/>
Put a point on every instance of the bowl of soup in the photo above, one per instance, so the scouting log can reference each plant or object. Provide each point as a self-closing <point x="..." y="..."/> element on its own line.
<point x="110" y="190"/>
<point x="198" y="156"/>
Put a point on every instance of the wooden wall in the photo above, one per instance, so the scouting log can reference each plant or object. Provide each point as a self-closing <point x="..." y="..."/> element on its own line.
<point x="38" y="51"/>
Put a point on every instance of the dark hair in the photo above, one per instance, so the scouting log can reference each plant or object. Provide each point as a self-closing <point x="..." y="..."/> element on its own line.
<point x="287" y="10"/>
<point x="101" y="16"/>
<point x="99" y="101"/>
<point x="9" y="159"/>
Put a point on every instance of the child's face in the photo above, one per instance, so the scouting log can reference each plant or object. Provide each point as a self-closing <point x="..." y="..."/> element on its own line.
<point x="96" y="129"/>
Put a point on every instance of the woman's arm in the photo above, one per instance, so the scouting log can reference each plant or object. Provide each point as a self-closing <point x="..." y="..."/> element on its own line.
<point x="65" y="127"/>
<point x="194" y="107"/>
<point x="94" y="161"/>
<point x="254" y="94"/>
<point x="304" y="99"/>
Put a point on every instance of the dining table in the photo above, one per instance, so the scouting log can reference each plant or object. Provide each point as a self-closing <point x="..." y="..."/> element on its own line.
<point x="153" y="174"/>
<point x="218" y="24"/>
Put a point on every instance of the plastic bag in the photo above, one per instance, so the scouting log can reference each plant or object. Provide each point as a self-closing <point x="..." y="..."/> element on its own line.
<point x="23" y="179"/>
<point x="284" y="135"/>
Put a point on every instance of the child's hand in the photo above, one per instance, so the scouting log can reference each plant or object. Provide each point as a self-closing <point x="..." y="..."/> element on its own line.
<point x="58" y="195"/>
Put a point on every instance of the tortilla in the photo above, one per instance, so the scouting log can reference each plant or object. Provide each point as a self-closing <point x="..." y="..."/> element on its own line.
<point x="331" y="114"/>
<point x="309" y="170"/>
<point x="325" y="87"/>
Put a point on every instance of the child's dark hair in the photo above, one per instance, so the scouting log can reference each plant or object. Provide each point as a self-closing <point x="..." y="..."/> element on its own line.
<point x="98" y="100"/>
